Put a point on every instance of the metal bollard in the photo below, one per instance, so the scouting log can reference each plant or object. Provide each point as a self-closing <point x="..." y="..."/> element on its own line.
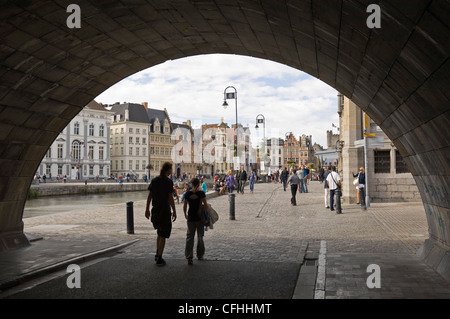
<point x="130" y="218"/>
<point x="338" y="201"/>
<point x="231" y="199"/>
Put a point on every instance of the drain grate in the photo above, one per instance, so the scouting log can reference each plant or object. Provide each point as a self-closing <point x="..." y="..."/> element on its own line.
<point x="310" y="262"/>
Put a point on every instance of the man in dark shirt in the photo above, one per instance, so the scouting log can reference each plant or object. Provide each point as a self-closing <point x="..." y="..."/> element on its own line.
<point x="161" y="197"/>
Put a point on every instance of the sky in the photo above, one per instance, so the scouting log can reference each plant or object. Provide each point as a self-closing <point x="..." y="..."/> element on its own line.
<point x="192" y="88"/>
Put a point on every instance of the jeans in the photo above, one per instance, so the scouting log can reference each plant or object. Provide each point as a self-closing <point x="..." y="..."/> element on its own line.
<point x="192" y="228"/>
<point x="302" y="187"/>
<point x="284" y="183"/>
<point x="293" y="192"/>
<point x="332" y="191"/>
<point x="252" y="184"/>
<point x="305" y="181"/>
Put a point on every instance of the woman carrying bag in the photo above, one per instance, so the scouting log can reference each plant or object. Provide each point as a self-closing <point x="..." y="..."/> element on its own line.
<point x="195" y="216"/>
<point x="361" y="187"/>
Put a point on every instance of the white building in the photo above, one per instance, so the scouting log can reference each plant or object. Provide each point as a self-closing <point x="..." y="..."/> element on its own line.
<point x="81" y="150"/>
<point x="129" y="140"/>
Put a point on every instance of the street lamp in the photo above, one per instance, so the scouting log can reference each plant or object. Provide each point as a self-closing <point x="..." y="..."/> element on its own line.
<point x="261" y="119"/>
<point x="228" y="96"/>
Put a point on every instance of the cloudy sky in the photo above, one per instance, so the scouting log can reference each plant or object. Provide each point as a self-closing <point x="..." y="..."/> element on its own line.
<point x="192" y="89"/>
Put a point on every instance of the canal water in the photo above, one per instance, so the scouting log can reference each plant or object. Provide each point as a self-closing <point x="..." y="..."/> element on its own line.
<point x="62" y="204"/>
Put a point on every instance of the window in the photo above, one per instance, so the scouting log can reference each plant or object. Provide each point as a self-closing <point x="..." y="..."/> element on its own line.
<point x="130" y="140"/>
<point x="137" y="164"/>
<point x="382" y="161"/>
<point x="400" y="164"/>
<point x="130" y="151"/>
<point x="60" y="169"/>
<point x="130" y="165"/>
<point x="60" y="151"/>
<point x="76" y="150"/>
<point x="138" y="131"/>
<point x="101" y="130"/>
<point x="49" y="152"/>
<point x="91" y="170"/>
<point x="91" y="152"/>
<point x="91" y="129"/>
<point x="100" y="153"/>
<point x="76" y="129"/>
<point x="130" y="130"/>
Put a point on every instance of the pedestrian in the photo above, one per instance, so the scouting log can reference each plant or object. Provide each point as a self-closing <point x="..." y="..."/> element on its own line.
<point x="334" y="183"/>
<point x="196" y="199"/>
<point x="294" y="180"/>
<point x="360" y="188"/>
<point x="284" y="177"/>
<point x="230" y="182"/>
<point x="252" y="180"/>
<point x="326" y="188"/>
<point x="242" y="179"/>
<point x="161" y="197"/>
<point x="204" y="187"/>
<point x="306" y="175"/>
<point x="321" y="174"/>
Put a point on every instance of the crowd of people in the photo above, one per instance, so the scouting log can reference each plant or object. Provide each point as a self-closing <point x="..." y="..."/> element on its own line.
<point x="162" y="193"/>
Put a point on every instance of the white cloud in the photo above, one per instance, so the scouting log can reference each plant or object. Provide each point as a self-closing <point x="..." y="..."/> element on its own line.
<point x="192" y="88"/>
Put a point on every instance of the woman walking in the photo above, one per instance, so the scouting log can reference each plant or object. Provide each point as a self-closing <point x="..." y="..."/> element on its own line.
<point x="230" y="181"/>
<point x="361" y="187"/>
<point x="194" y="198"/>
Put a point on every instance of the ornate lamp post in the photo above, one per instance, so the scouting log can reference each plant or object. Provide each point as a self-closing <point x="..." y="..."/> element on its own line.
<point x="228" y="96"/>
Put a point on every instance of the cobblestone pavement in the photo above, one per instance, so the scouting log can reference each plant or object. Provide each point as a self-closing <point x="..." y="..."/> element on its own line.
<point x="266" y="229"/>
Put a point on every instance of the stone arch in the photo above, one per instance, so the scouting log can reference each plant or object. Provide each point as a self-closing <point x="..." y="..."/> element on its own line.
<point x="398" y="74"/>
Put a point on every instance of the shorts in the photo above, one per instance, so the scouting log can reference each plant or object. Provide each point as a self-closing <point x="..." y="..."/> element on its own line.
<point x="162" y="221"/>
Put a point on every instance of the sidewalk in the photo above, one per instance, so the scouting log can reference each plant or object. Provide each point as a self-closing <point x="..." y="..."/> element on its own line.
<point x="321" y="254"/>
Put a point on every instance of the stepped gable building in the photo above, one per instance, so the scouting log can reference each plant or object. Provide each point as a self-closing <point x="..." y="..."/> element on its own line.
<point x="160" y="135"/>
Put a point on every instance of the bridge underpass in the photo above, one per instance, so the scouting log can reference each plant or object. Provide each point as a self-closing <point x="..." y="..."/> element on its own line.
<point x="397" y="74"/>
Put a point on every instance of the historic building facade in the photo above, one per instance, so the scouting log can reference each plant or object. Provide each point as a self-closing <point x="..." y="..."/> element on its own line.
<point x="81" y="151"/>
<point x="388" y="178"/>
<point x="129" y="140"/>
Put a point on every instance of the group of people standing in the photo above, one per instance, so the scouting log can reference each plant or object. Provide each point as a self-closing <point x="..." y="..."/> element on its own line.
<point x="231" y="182"/>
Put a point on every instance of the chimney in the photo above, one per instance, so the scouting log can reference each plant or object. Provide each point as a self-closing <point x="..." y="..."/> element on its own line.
<point x="188" y="122"/>
<point x="127" y="115"/>
<point x="145" y="104"/>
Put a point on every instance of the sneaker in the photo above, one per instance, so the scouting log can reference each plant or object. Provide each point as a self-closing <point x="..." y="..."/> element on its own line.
<point x="160" y="261"/>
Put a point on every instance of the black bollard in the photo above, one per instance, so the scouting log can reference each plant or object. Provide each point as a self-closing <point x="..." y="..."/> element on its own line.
<point x="130" y="218"/>
<point x="338" y="201"/>
<point x="231" y="199"/>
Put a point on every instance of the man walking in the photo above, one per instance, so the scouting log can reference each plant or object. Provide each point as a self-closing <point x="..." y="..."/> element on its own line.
<point x="334" y="183"/>
<point x="161" y="197"/>
<point x="242" y="179"/>
<point x="284" y="177"/>
<point x="294" y="180"/>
